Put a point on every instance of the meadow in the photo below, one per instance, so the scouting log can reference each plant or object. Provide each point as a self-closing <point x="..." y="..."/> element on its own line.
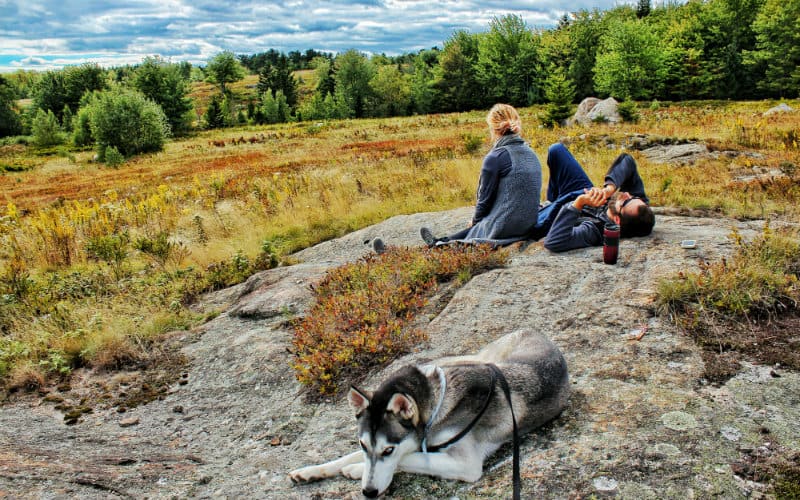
<point x="97" y="263"/>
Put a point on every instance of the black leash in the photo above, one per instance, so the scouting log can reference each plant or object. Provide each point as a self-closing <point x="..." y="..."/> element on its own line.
<point x="496" y="375"/>
<point x="468" y="428"/>
<point x="507" y="391"/>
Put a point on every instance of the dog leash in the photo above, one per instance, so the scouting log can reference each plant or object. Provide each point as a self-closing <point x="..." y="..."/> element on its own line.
<point x="496" y="374"/>
<point x="442" y="387"/>
<point x="468" y="428"/>
<point x="516" y="475"/>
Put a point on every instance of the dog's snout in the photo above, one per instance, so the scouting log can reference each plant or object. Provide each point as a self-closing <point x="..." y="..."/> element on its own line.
<point x="370" y="492"/>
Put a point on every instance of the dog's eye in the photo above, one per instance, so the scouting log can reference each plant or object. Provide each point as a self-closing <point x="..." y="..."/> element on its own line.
<point x="388" y="451"/>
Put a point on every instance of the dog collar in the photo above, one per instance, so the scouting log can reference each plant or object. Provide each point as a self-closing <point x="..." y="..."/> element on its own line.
<point x="442" y="387"/>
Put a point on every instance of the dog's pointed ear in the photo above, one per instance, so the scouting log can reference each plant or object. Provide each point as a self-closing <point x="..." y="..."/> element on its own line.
<point x="404" y="407"/>
<point x="358" y="399"/>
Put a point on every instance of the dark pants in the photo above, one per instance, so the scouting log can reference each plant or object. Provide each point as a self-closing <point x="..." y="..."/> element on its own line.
<point x="566" y="174"/>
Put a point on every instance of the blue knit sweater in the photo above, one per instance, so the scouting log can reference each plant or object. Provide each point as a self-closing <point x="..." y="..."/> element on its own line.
<point x="508" y="194"/>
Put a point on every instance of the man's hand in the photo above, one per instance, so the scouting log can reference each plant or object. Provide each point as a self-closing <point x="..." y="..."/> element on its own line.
<point x="593" y="197"/>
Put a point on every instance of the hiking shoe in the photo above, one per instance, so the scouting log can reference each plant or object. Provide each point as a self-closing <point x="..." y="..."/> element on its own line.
<point x="378" y="246"/>
<point x="427" y="236"/>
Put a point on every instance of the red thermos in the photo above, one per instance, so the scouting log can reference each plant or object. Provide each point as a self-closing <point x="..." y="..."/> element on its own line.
<point x="610" y="243"/>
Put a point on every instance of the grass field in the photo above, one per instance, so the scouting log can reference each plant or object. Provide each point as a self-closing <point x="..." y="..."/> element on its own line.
<point x="96" y="263"/>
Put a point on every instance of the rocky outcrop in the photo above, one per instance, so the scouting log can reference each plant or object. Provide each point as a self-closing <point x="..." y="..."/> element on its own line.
<point x="641" y="422"/>
<point x="593" y="109"/>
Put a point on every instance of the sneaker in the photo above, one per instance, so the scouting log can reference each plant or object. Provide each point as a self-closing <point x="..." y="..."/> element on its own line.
<point x="427" y="236"/>
<point x="378" y="246"/>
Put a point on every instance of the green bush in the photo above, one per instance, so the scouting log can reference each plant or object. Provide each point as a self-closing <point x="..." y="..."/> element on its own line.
<point x="45" y="129"/>
<point x="628" y="111"/>
<point x="113" y="157"/>
<point x="128" y="121"/>
<point x="472" y="143"/>
<point x="81" y="128"/>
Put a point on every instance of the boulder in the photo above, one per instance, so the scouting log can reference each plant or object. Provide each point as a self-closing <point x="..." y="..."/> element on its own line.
<point x="592" y="108"/>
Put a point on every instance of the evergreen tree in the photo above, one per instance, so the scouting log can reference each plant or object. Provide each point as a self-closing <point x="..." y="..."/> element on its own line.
<point x="278" y="77"/>
<point x="323" y="69"/>
<point x="214" y="117"/>
<point x="560" y="92"/>
<point x="66" y="119"/>
<point x="643" y="8"/>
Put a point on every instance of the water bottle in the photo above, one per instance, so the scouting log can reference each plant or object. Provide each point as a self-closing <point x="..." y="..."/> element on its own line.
<point x="610" y="243"/>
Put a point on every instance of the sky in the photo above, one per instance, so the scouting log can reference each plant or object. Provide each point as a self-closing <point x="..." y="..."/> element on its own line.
<point x="49" y="34"/>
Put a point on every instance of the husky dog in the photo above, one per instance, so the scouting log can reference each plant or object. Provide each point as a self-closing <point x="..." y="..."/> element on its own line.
<point x="443" y="419"/>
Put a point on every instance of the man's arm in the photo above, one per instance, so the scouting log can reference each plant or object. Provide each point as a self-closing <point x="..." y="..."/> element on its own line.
<point x="566" y="235"/>
<point x="624" y="176"/>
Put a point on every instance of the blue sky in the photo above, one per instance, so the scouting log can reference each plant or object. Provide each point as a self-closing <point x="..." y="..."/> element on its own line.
<point x="45" y="34"/>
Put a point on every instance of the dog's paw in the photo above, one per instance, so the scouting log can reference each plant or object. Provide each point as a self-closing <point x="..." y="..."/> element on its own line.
<point x="307" y="474"/>
<point x="353" y="471"/>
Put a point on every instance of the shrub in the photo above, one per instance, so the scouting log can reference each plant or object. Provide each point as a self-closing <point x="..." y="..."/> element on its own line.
<point x="161" y="249"/>
<point x="362" y="311"/>
<point x="628" y="111"/>
<point x="128" y="121"/>
<point x="760" y="279"/>
<point x="472" y="143"/>
<point x="81" y="128"/>
<point x="45" y="129"/>
<point x="111" y="249"/>
<point x="113" y="157"/>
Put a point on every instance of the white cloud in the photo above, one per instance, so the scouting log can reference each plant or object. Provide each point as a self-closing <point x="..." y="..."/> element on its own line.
<point x="195" y="30"/>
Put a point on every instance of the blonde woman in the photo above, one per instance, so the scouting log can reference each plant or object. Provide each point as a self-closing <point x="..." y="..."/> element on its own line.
<point x="508" y="190"/>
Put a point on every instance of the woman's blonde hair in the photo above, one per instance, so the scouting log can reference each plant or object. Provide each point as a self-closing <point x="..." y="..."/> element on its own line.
<point x="502" y="119"/>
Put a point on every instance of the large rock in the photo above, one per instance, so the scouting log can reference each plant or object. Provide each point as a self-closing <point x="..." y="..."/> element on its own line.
<point x="780" y="108"/>
<point x="235" y="424"/>
<point x="593" y="109"/>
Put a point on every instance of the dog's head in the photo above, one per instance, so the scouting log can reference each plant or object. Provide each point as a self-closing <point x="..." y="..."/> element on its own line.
<point x="389" y="426"/>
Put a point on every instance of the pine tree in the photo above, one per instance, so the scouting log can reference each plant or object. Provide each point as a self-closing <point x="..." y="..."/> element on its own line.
<point x="643" y="8"/>
<point x="213" y="117"/>
<point x="559" y="91"/>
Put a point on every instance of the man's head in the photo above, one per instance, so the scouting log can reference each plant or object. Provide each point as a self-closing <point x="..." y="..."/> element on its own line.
<point x="634" y="216"/>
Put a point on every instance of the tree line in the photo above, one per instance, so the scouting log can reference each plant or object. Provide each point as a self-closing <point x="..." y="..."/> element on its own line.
<point x="703" y="49"/>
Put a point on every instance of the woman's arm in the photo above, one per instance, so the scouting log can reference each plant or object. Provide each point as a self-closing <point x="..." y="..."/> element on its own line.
<point x="496" y="164"/>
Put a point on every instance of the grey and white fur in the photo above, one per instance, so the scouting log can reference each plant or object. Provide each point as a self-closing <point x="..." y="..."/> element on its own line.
<point x="392" y="420"/>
